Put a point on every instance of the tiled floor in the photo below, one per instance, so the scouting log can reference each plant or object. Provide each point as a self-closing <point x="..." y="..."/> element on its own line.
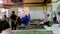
<point x="32" y="31"/>
<point x="55" y="28"/>
<point x="7" y="31"/>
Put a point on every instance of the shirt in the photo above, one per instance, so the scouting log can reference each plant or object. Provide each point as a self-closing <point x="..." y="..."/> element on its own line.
<point x="13" y="17"/>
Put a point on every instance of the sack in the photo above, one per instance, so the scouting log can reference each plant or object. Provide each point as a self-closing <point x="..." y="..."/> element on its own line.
<point x="49" y="24"/>
<point x="5" y="25"/>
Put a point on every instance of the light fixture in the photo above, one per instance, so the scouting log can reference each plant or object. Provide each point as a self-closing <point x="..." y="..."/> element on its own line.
<point x="1" y="1"/>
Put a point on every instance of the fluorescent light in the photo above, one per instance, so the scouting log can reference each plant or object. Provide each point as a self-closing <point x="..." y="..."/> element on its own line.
<point x="1" y="1"/>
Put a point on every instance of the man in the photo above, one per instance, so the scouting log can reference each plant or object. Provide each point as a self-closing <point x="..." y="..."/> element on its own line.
<point x="5" y="17"/>
<point x="19" y="20"/>
<point x="47" y="19"/>
<point x="4" y="25"/>
<point x="13" y="20"/>
<point x="1" y="17"/>
<point x="25" y="20"/>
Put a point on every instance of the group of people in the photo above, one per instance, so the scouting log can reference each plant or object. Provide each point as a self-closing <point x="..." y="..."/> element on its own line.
<point x="48" y="22"/>
<point x="16" y="20"/>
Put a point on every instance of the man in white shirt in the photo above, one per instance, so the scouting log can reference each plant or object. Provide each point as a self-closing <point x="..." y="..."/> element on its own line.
<point x="46" y="19"/>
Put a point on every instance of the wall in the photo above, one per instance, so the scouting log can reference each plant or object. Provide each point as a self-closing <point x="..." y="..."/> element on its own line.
<point x="14" y="9"/>
<point x="37" y="12"/>
<point x="56" y="9"/>
<point x="23" y="11"/>
<point x="33" y="11"/>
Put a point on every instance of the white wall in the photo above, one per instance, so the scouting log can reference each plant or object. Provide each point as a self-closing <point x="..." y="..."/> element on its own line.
<point x="5" y="12"/>
<point x="36" y="12"/>
<point x="23" y="11"/>
<point x="55" y="5"/>
<point x="36" y="15"/>
<point x="14" y="9"/>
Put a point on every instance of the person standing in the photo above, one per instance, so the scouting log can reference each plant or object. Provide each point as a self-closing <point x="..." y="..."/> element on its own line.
<point x="13" y="20"/>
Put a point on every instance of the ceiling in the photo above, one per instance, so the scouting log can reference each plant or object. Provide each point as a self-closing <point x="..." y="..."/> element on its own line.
<point x="24" y="1"/>
<point x="27" y="3"/>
